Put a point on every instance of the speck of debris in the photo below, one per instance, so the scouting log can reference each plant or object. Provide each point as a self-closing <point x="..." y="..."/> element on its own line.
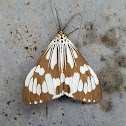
<point x="26" y="47"/>
<point x="33" y="113"/>
<point x="62" y="114"/>
<point x="15" y="118"/>
<point x="125" y="88"/>
<point x="104" y="39"/>
<point x="6" y="115"/>
<point x="46" y="110"/>
<point x="7" y="81"/>
<point x="89" y="26"/>
<point x="8" y="102"/>
<point x="27" y="4"/>
<point x="102" y="58"/>
<point x="35" y="48"/>
<point x="121" y="61"/>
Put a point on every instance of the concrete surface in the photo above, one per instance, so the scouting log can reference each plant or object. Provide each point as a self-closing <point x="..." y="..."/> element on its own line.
<point x="26" y="28"/>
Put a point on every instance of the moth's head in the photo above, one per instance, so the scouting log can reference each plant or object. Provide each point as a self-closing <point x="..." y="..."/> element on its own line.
<point x="60" y="36"/>
<point x="60" y="33"/>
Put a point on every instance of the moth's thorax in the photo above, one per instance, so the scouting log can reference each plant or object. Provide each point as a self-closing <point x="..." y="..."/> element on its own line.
<point x="61" y="38"/>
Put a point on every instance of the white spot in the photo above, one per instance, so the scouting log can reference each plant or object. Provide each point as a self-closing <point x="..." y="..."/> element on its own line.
<point x="75" y="54"/>
<point x="82" y="69"/>
<point x="68" y="80"/>
<point x="62" y="77"/>
<point x="31" y="85"/>
<point x="85" y="67"/>
<point x="35" y="102"/>
<point x="93" y="83"/>
<point x="29" y="102"/>
<point x="42" y="71"/>
<point x="84" y="99"/>
<point x="89" y="100"/>
<point x="85" y="88"/>
<point x="49" y="82"/>
<point x="39" y="70"/>
<point x="56" y="82"/>
<point x="94" y="75"/>
<point x="93" y="100"/>
<point x="54" y="58"/>
<point x="35" y="86"/>
<point x="28" y="78"/>
<point x="69" y="58"/>
<point x="48" y="54"/>
<point x="38" y="89"/>
<point x="40" y="101"/>
<point x="75" y="82"/>
<point x="80" y="86"/>
<point x="44" y="87"/>
<point x="89" y="84"/>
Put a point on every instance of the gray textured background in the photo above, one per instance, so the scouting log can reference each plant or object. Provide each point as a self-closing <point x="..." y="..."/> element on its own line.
<point x="26" y="28"/>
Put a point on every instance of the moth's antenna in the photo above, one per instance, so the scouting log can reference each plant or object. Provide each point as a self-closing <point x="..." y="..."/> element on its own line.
<point x="70" y="21"/>
<point x="53" y="14"/>
<point x="59" y="21"/>
<point x="72" y="31"/>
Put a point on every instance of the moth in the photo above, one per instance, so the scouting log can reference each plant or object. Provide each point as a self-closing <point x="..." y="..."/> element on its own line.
<point x="61" y="70"/>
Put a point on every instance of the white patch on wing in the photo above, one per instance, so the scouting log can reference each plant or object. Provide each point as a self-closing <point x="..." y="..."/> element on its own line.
<point x="29" y="76"/>
<point x="80" y="86"/>
<point x="68" y="80"/>
<point x="82" y="69"/>
<point x="48" y="79"/>
<point x="89" y="100"/>
<point x="38" y="89"/>
<point x="85" y="88"/>
<point x="75" y="54"/>
<point x="44" y="87"/>
<point x="35" y="102"/>
<point x="84" y="99"/>
<point x="93" y="83"/>
<point x="89" y="84"/>
<point x="94" y="75"/>
<point x="39" y="70"/>
<point x="31" y="85"/>
<point x="48" y="54"/>
<point x="42" y="71"/>
<point x="85" y="67"/>
<point x="56" y="82"/>
<point x="40" y="101"/>
<point x="62" y="78"/>
<point x="75" y="82"/>
<point x="70" y="58"/>
<point x="54" y="58"/>
<point x="35" y="86"/>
